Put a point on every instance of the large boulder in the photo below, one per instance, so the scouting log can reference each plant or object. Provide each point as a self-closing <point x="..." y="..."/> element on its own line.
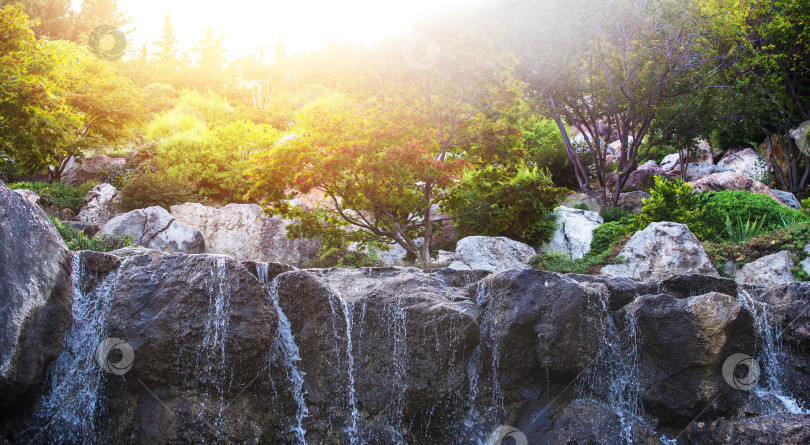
<point x="770" y="270"/>
<point x="729" y="180"/>
<point x="745" y="162"/>
<point x="574" y="232"/>
<point x="682" y="346"/>
<point x="29" y="195"/>
<point x="660" y="251"/>
<point x="35" y="298"/>
<point x="789" y="199"/>
<point x="99" y="205"/>
<point x="641" y="180"/>
<point x="394" y="343"/>
<point x="699" y="171"/>
<point x="244" y="232"/>
<point x="92" y="168"/>
<point x="155" y="228"/>
<point x="670" y="162"/>
<point x="493" y="254"/>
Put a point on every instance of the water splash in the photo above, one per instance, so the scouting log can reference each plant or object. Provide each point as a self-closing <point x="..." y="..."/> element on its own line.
<point x="285" y="344"/>
<point x="214" y="368"/>
<point x="400" y="336"/>
<point x="772" y="356"/>
<point x="352" y="427"/>
<point x="68" y="410"/>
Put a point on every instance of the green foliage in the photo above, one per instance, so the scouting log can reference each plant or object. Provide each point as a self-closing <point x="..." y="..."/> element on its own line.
<point x="555" y="262"/>
<point x="674" y="201"/>
<point x="744" y="206"/>
<point x="545" y="149"/>
<point x="740" y="232"/>
<point x="606" y="234"/>
<point x="102" y="242"/>
<point x="515" y="202"/>
<point x="343" y="257"/>
<point x="581" y="206"/>
<point x="144" y="187"/>
<point x="159" y="96"/>
<point x="57" y="194"/>
<point x="610" y="214"/>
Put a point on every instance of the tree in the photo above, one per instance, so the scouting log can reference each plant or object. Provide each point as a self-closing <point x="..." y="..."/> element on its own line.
<point x="384" y="162"/>
<point x="36" y="124"/>
<point x="94" y="13"/>
<point x="55" y="17"/>
<point x="609" y="71"/>
<point x="168" y="42"/>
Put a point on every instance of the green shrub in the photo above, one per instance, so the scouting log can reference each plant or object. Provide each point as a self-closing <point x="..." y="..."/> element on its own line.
<point x="606" y="234"/>
<point x="159" y="96"/>
<point x="515" y="202"/>
<point x="545" y="149"/>
<point x="555" y="262"/>
<point x="77" y="240"/>
<point x="741" y="232"/>
<point x="145" y="187"/>
<point x="343" y="257"/>
<point x="610" y="214"/>
<point x="746" y="206"/>
<point x="674" y="201"/>
<point x="581" y="206"/>
<point x="57" y="194"/>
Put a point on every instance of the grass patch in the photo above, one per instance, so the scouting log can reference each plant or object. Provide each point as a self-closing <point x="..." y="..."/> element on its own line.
<point x="77" y="240"/>
<point x="590" y="264"/>
<point x="56" y="194"/>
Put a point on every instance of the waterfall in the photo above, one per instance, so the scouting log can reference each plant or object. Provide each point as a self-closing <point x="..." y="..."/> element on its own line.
<point x="347" y="314"/>
<point x="400" y="336"/>
<point x="772" y="356"/>
<point x="285" y="344"/>
<point x="214" y="368"/>
<point x="68" y="409"/>
<point x="487" y="330"/>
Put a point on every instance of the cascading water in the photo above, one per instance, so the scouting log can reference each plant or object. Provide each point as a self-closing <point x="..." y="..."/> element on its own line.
<point x="288" y="350"/>
<point x="352" y="428"/>
<point x="400" y="335"/>
<point x="213" y="367"/>
<point x="67" y="411"/>
<point x="772" y="356"/>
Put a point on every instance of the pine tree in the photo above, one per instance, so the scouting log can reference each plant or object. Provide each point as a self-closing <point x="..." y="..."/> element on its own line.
<point x="168" y="41"/>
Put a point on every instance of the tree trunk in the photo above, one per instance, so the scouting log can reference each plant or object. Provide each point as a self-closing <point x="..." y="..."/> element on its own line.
<point x="424" y="252"/>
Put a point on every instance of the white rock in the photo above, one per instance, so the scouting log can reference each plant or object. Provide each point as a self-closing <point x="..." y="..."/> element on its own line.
<point x="244" y="232"/>
<point x="574" y="232"/>
<point x="393" y="257"/>
<point x="771" y="270"/>
<point x="154" y="227"/>
<point x="494" y="254"/>
<point x="660" y="251"/>
<point x="670" y="162"/>
<point x="29" y="195"/>
<point x="99" y="205"/>
<point x="745" y="162"/>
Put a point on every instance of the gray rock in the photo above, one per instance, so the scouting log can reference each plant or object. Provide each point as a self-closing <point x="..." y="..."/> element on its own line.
<point x="35" y="298"/>
<point x="155" y="228"/>
<point x="730" y="180"/>
<point x="393" y="257"/>
<point x="633" y="201"/>
<point x="745" y="162"/>
<point x="698" y="171"/>
<point x="92" y="168"/>
<point x="29" y="195"/>
<point x="244" y="232"/>
<point x="641" y="180"/>
<point x="493" y="254"/>
<point x="574" y="232"/>
<point x="685" y="286"/>
<point x="650" y="165"/>
<point x="99" y="205"/>
<point x="770" y="270"/>
<point x="682" y="345"/>
<point x="670" y="162"/>
<point x="784" y="429"/>
<point x="660" y="251"/>
<point x="581" y="198"/>
<point x="788" y="198"/>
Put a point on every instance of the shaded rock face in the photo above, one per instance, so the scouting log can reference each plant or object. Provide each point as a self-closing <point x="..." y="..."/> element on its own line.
<point x="405" y="366"/>
<point x="660" y="251"/>
<point x="788" y="311"/>
<point x="574" y="232"/>
<point x="718" y="182"/>
<point x="698" y="171"/>
<point x="786" y="429"/>
<point x="682" y="346"/>
<point x="633" y="201"/>
<point x="641" y="180"/>
<point x="690" y="285"/>
<point x="77" y="172"/>
<point x="493" y="254"/>
<point x="35" y="298"/>
<point x="245" y="233"/>
<point x="770" y="270"/>
<point x="789" y="199"/>
<point x="200" y="327"/>
<point x="155" y="228"/>
<point x="537" y="324"/>
<point x="98" y="207"/>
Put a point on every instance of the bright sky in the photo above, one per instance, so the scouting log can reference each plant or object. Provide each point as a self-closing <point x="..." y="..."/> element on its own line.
<point x="305" y="25"/>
